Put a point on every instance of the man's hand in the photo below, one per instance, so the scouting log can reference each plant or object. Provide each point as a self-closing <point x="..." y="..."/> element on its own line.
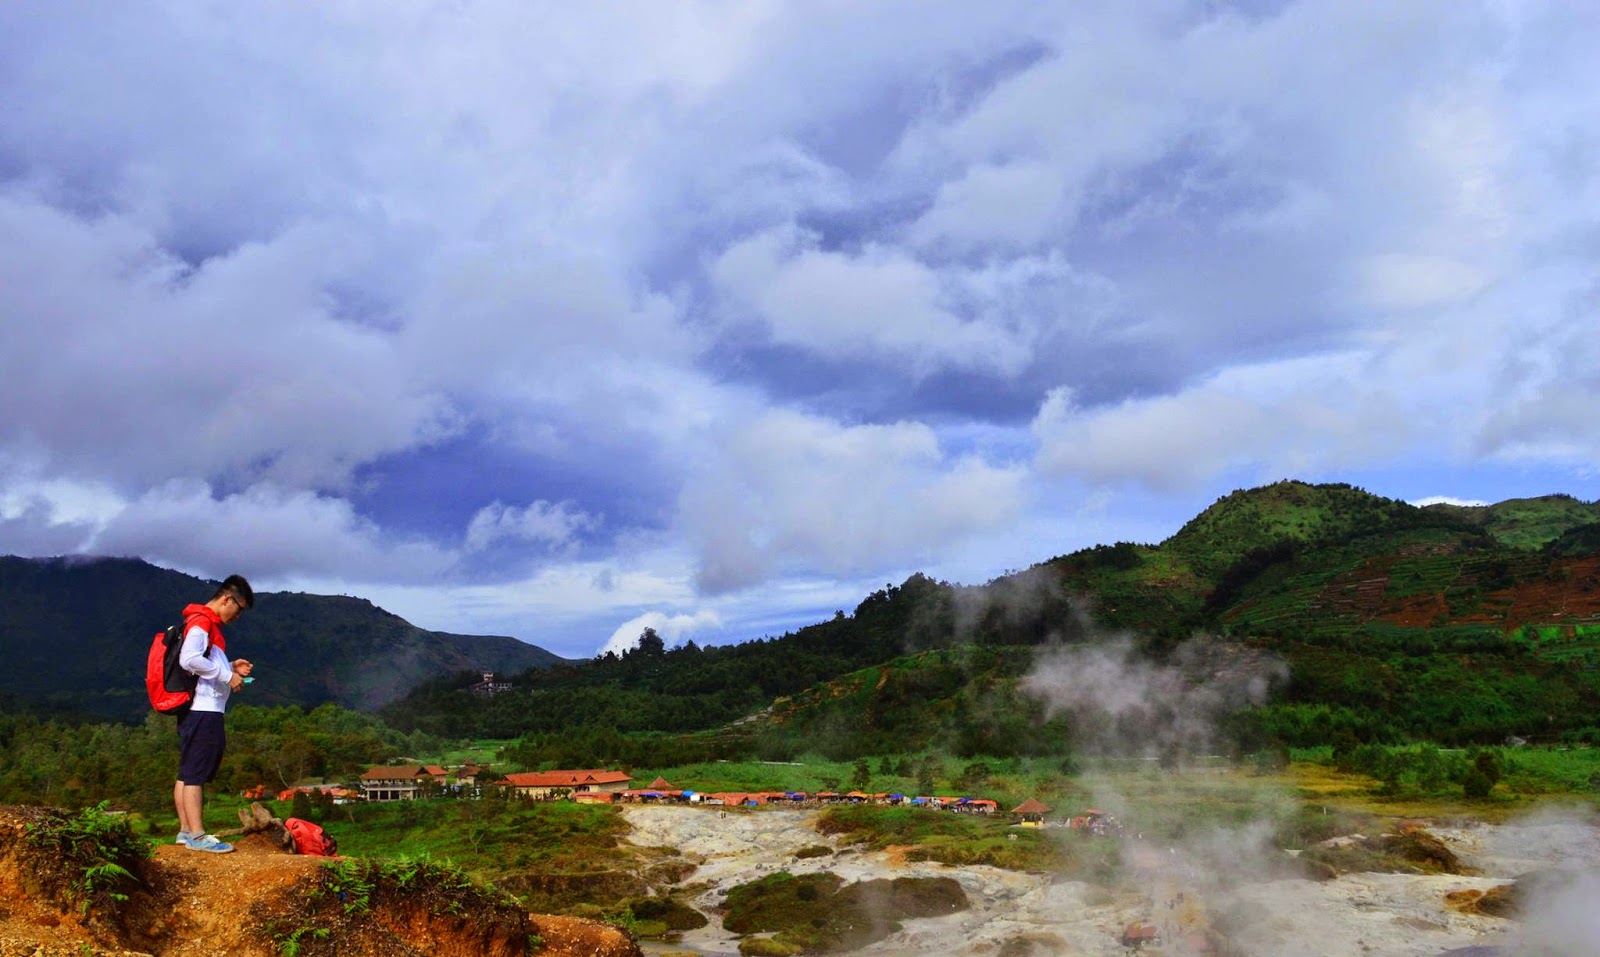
<point x="241" y="671"/>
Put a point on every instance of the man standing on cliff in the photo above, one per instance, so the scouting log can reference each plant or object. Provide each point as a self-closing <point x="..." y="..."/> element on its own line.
<point x="200" y="734"/>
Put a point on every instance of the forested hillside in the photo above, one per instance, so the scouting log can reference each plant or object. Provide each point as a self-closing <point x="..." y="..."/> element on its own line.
<point x="74" y="633"/>
<point x="1394" y="622"/>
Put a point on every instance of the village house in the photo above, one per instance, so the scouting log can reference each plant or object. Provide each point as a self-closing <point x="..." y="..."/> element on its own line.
<point x="489" y="686"/>
<point x="394" y="783"/>
<point x="1031" y="812"/>
<point x="545" y="785"/>
<point x="468" y="774"/>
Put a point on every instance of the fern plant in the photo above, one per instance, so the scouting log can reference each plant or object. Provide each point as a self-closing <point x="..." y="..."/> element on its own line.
<point x="88" y="859"/>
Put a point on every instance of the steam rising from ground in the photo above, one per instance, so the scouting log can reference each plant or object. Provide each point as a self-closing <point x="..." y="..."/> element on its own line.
<point x="1228" y="874"/>
<point x="1557" y="853"/>
<point x="1122" y="703"/>
<point x="1561" y="919"/>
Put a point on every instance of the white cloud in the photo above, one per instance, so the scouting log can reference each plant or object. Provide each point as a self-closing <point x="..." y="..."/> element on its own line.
<point x="275" y="533"/>
<point x="1400" y="281"/>
<point x="1013" y="203"/>
<point x="880" y="301"/>
<point x="29" y="528"/>
<point x="1448" y="500"/>
<point x="673" y="629"/>
<point x="256" y="264"/>
<point x="555" y="525"/>
<point x="1288" y="418"/>
<point x="134" y="368"/>
<point x="792" y="493"/>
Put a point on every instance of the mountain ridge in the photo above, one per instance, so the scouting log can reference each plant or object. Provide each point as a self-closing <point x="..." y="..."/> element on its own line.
<point x="74" y="631"/>
<point x="1394" y="621"/>
<point x="1433" y="609"/>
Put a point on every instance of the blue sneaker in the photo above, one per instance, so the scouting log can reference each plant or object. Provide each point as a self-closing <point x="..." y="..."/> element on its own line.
<point x="209" y="842"/>
<point x="183" y="837"/>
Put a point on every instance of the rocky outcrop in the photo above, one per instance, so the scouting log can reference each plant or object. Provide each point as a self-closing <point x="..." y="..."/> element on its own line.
<point x="1410" y="850"/>
<point x="577" y="937"/>
<point x="1501" y="901"/>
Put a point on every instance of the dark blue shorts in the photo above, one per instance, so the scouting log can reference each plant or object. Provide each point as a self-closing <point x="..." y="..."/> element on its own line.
<point x="201" y="741"/>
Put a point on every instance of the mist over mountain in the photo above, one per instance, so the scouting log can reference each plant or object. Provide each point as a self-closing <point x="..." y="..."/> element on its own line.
<point x="74" y="633"/>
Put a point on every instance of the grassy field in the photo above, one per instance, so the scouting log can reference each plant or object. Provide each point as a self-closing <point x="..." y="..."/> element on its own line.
<point x="1553" y="771"/>
<point x="1531" y="777"/>
<point x="957" y="839"/>
<point x="1306" y="801"/>
<point x="487" y="838"/>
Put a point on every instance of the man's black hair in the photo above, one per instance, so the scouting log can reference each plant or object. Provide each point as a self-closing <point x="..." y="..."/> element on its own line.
<point x="239" y="588"/>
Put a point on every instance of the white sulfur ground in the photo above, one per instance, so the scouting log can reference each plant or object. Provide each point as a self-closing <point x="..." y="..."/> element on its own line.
<point x="1358" y="915"/>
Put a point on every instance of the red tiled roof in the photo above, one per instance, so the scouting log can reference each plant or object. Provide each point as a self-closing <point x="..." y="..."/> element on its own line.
<point x="393" y="773"/>
<point x="1031" y="806"/>
<point x="565" y="779"/>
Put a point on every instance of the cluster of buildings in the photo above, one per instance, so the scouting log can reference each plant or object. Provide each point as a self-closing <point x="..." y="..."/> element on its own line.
<point x="661" y="792"/>
<point x="408" y="782"/>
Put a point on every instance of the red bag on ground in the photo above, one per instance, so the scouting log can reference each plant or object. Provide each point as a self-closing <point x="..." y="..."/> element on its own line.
<point x="310" y="838"/>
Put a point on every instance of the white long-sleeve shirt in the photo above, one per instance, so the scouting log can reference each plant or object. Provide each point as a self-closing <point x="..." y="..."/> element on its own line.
<point x="212" y="668"/>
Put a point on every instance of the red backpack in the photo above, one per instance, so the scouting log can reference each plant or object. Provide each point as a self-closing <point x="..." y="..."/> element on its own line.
<point x="169" y="686"/>
<point x="310" y="838"/>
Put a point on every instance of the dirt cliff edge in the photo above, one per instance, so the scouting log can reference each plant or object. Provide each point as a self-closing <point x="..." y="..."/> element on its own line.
<point x="262" y="902"/>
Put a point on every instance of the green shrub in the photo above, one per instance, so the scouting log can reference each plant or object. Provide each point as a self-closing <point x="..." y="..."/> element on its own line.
<point x="768" y="947"/>
<point x="1476" y="785"/>
<point x="817" y="913"/>
<point x="90" y="859"/>
<point x="815" y="850"/>
<point x="670" y="913"/>
<point x="1487" y="763"/>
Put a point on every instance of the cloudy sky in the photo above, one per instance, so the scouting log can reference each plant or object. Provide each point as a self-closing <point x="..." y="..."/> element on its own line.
<point x="556" y="320"/>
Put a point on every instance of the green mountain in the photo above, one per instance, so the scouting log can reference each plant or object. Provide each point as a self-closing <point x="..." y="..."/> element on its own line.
<point x="74" y="634"/>
<point x="1450" y="623"/>
<point x="1393" y="621"/>
<point x="1527" y="522"/>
